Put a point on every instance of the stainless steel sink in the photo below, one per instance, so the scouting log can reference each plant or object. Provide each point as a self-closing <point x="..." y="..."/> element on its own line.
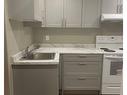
<point x="40" y="56"/>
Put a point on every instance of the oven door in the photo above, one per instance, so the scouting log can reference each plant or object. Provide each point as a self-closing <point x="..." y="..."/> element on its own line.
<point x="112" y="69"/>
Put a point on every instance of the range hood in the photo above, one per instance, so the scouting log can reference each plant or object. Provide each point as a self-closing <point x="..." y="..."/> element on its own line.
<point x="112" y="17"/>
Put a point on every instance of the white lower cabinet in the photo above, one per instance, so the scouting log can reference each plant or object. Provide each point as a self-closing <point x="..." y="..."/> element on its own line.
<point x="81" y="82"/>
<point x="35" y="80"/>
<point x="82" y="72"/>
<point x="81" y="67"/>
<point x="81" y="58"/>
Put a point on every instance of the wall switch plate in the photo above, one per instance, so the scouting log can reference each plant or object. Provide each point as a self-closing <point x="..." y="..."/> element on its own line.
<point x="47" y="38"/>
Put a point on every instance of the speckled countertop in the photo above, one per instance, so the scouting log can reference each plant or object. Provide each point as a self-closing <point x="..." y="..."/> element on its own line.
<point x="59" y="49"/>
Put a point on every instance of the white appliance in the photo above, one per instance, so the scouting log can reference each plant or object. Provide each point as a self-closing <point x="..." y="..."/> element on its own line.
<point x="112" y="17"/>
<point x="112" y="63"/>
<point x="112" y="10"/>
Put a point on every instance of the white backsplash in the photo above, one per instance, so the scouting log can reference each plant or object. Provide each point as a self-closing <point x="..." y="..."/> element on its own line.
<point x="68" y="45"/>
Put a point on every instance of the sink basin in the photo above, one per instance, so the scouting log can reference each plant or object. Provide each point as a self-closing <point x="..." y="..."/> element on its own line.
<point x="40" y="56"/>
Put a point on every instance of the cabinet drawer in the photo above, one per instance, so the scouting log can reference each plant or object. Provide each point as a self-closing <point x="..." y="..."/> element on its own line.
<point x="78" y="82"/>
<point x="82" y="57"/>
<point x="81" y="67"/>
<point x="111" y="88"/>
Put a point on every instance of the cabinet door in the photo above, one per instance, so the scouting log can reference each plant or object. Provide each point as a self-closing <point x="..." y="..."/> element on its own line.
<point x="54" y="13"/>
<point x="38" y="9"/>
<point x="21" y="10"/>
<point x="91" y="13"/>
<point x="35" y="80"/>
<point x="25" y="10"/>
<point x="42" y="12"/>
<point x="109" y="6"/>
<point x="72" y="12"/>
<point x="120" y="6"/>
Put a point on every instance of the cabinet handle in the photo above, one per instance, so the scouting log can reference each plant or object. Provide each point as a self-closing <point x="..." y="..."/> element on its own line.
<point x="65" y="22"/>
<point x="81" y="78"/>
<point x="82" y="56"/>
<point x="43" y="17"/>
<point x="117" y="8"/>
<point x="81" y="64"/>
<point x="43" y="20"/>
<point x="62" y="22"/>
<point x="121" y="9"/>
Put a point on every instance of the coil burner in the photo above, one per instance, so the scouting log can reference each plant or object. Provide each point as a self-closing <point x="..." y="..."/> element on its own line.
<point x="107" y="50"/>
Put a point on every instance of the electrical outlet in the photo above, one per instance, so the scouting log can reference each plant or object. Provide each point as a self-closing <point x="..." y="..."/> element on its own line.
<point x="47" y="38"/>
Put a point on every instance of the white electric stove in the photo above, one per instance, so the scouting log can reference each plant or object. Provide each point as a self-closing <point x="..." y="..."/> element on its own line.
<point x="112" y="46"/>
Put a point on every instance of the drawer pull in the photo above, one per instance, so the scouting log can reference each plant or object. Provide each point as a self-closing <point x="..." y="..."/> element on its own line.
<point x="82" y="56"/>
<point x="114" y="87"/>
<point x="81" y="64"/>
<point x="81" y="78"/>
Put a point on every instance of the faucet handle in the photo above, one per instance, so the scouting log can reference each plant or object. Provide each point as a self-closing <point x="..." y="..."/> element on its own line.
<point x="37" y="46"/>
<point x="27" y="48"/>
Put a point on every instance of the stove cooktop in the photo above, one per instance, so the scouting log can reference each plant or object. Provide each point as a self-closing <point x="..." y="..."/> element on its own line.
<point x="108" y="50"/>
<point x="120" y="48"/>
<point x="111" y="50"/>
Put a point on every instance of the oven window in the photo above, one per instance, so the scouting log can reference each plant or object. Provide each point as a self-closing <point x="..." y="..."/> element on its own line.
<point x="116" y="68"/>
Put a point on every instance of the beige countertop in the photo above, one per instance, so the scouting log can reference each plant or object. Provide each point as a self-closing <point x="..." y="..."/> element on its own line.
<point x="58" y="51"/>
<point x="70" y="50"/>
<point x="75" y="50"/>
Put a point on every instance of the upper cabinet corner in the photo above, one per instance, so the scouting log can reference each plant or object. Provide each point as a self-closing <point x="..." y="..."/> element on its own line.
<point x="26" y="10"/>
<point x="112" y="6"/>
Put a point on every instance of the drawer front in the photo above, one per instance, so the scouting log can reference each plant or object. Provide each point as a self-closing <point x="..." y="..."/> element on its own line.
<point x="82" y="57"/>
<point x="81" y="67"/>
<point x="78" y="82"/>
<point x="111" y="88"/>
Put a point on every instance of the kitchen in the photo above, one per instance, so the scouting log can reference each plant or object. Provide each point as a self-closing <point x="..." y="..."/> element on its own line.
<point x="61" y="47"/>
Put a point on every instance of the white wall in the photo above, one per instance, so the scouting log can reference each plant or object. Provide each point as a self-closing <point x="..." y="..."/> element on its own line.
<point x="17" y="38"/>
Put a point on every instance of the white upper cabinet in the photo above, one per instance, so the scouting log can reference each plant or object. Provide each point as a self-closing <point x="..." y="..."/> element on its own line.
<point x="42" y="11"/>
<point x="120" y="6"/>
<point x="57" y="13"/>
<point x="72" y="13"/>
<point x="26" y="10"/>
<point x="91" y="13"/>
<point x="54" y="13"/>
<point x="112" y="6"/>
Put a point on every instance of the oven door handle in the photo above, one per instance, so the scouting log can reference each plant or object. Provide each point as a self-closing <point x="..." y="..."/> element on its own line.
<point x="113" y="57"/>
<point x="114" y="87"/>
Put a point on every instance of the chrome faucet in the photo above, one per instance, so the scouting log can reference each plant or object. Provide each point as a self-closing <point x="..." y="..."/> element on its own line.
<point x="28" y="53"/>
<point x="36" y="46"/>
